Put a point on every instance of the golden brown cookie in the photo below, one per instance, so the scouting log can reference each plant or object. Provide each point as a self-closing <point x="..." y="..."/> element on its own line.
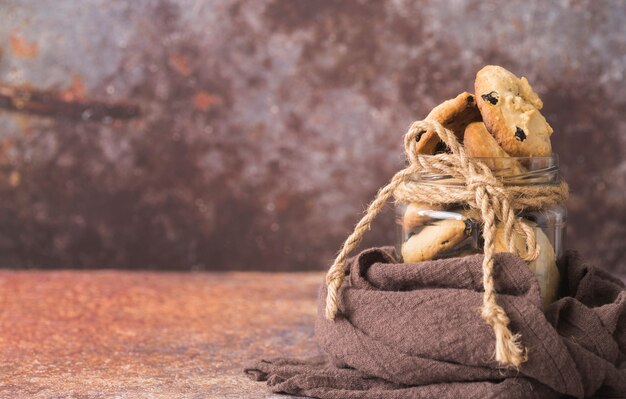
<point x="510" y="110"/>
<point x="413" y="218"/>
<point x="453" y="114"/>
<point x="546" y="270"/>
<point x="479" y="143"/>
<point x="434" y="239"/>
<point x="544" y="266"/>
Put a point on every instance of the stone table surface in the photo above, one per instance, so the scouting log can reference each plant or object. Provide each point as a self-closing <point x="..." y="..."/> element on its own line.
<point x="116" y="334"/>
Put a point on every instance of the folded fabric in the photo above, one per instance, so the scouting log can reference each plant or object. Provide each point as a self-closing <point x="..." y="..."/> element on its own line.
<point x="415" y="331"/>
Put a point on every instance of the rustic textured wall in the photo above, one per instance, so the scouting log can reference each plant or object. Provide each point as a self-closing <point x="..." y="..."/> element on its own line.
<point x="266" y="126"/>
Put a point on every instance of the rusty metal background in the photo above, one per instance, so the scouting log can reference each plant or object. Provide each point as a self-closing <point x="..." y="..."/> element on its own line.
<point x="250" y="135"/>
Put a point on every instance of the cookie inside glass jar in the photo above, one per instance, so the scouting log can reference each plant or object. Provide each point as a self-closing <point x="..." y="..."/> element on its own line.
<point x="428" y="233"/>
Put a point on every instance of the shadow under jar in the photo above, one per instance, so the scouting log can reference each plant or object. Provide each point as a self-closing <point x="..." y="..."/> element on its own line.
<point x="428" y="232"/>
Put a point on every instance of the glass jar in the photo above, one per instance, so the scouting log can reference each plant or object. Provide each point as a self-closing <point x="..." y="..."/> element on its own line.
<point x="433" y="232"/>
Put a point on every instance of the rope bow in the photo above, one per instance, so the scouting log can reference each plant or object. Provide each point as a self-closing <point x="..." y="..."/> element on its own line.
<point x="481" y="191"/>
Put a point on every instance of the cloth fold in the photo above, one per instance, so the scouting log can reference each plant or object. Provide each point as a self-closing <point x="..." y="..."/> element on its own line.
<point x="415" y="331"/>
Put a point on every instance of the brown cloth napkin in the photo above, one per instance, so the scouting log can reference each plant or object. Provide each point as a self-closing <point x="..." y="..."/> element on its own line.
<point x="415" y="331"/>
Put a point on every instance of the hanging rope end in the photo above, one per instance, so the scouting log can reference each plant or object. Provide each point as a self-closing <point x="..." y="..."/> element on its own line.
<point x="509" y="350"/>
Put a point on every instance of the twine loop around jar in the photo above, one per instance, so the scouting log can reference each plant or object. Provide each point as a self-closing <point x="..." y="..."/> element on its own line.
<point x="481" y="191"/>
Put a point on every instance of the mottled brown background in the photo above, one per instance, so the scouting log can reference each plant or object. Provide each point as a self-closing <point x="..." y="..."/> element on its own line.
<point x="266" y="126"/>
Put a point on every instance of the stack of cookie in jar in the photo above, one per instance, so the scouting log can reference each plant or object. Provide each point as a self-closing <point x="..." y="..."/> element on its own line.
<point x="501" y="124"/>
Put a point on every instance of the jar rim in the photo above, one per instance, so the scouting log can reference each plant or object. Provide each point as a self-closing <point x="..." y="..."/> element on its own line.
<point x="510" y="170"/>
<point x="552" y="157"/>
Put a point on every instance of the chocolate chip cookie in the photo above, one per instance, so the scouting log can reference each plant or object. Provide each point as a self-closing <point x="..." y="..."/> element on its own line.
<point x="510" y="111"/>
<point x="453" y="114"/>
<point x="479" y="143"/>
<point x="438" y="237"/>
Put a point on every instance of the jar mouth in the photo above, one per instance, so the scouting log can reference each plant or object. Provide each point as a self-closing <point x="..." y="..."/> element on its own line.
<point x="510" y="170"/>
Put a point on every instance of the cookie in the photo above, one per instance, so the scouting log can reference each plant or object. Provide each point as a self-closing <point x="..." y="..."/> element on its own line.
<point x="479" y="143"/>
<point x="546" y="270"/>
<point x="510" y="110"/>
<point x="453" y="114"/>
<point x="434" y="239"/>
<point x="414" y="218"/>
<point x="544" y="266"/>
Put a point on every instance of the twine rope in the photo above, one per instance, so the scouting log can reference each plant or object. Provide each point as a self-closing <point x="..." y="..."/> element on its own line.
<point x="483" y="192"/>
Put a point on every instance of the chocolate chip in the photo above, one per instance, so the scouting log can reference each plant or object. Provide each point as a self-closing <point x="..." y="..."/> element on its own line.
<point x="519" y="134"/>
<point x="419" y="135"/>
<point x="441" y="147"/>
<point x="470" y="100"/>
<point x="491" y="97"/>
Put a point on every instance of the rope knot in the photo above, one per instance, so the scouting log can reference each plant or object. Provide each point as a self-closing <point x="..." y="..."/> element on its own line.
<point x="486" y="182"/>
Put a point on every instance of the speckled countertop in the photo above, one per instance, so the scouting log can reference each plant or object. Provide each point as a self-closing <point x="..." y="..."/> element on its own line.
<point x="148" y="335"/>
